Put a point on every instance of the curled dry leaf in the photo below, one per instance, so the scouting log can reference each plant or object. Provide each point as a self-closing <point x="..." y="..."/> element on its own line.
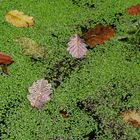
<point x="4" y="61"/>
<point x="98" y="35"/>
<point x="133" y="10"/>
<point x="39" y="93"/>
<point x="18" y="19"/>
<point x="132" y="117"/>
<point x="30" y="47"/>
<point x="76" y="47"/>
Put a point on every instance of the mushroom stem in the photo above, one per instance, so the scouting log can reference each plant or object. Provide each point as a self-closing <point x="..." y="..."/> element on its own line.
<point x="4" y="69"/>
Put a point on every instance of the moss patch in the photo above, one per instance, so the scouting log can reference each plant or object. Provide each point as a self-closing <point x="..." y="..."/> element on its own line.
<point x="92" y="91"/>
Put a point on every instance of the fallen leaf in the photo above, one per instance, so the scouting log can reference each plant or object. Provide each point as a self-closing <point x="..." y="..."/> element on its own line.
<point x="76" y="47"/>
<point x="132" y="117"/>
<point x="133" y="10"/>
<point x="30" y="47"/>
<point x="98" y="35"/>
<point x="39" y="93"/>
<point x="4" y="61"/>
<point x="18" y="19"/>
<point x="64" y="114"/>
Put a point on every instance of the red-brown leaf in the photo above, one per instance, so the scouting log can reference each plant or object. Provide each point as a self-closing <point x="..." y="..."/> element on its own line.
<point x="98" y="35"/>
<point x="133" y="10"/>
<point x="5" y="59"/>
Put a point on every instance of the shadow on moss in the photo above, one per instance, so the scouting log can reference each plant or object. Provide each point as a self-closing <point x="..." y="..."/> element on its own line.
<point x="108" y="96"/>
<point x="61" y="70"/>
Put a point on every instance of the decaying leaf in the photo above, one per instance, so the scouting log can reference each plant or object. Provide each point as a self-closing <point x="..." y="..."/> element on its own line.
<point x="4" y="61"/>
<point x="132" y="117"/>
<point x="30" y="47"/>
<point x="98" y="35"/>
<point x="39" y="93"/>
<point x="18" y="19"/>
<point x="76" y="47"/>
<point x="64" y="114"/>
<point x="133" y="10"/>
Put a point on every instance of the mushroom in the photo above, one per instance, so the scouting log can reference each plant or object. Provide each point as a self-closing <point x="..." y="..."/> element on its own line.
<point x="5" y="60"/>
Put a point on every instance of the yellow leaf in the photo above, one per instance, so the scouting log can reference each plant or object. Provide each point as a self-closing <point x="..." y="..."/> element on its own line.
<point x="18" y="19"/>
<point x="132" y="117"/>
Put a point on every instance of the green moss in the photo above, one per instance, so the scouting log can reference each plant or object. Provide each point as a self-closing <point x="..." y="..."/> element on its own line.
<point x="105" y="82"/>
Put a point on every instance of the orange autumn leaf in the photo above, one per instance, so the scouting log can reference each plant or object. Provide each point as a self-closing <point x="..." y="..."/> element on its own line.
<point x="98" y="35"/>
<point x="18" y="19"/>
<point x="133" y="10"/>
<point x="132" y="117"/>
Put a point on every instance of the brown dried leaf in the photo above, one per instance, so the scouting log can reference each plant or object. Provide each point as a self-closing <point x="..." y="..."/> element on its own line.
<point x="18" y="19"/>
<point x="132" y="117"/>
<point x="64" y="114"/>
<point x="40" y="92"/>
<point x="133" y="10"/>
<point x="98" y="35"/>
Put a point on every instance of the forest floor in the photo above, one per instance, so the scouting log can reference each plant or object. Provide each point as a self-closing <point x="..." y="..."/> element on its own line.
<point x="90" y="93"/>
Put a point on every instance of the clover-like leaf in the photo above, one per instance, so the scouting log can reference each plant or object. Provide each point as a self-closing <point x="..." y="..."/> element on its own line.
<point x="76" y="47"/>
<point x="40" y="92"/>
